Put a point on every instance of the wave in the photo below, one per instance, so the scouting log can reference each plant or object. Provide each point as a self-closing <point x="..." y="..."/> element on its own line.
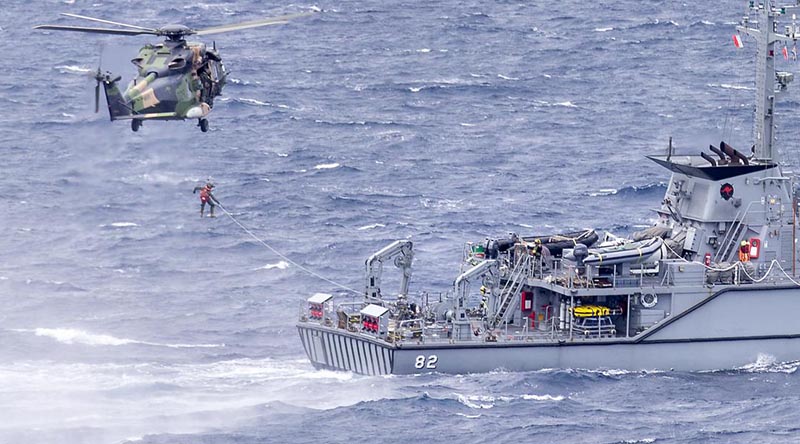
<point x="566" y="104"/>
<point x="282" y="265"/>
<point x="729" y="86"/>
<point x="442" y="203"/>
<point x="371" y="226"/>
<point x="74" y="336"/>
<point x="630" y="190"/>
<point x="254" y="102"/>
<point x="542" y="398"/>
<point x="483" y="402"/>
<point x="73" y="69"/>
<point x="656" y="23"/>
<point x="473" y="402"/>
<point x="120" y="225"/>
<point x="769" y="364"/>
<point x="361" y="123"/>
<point x="327" y="166"/>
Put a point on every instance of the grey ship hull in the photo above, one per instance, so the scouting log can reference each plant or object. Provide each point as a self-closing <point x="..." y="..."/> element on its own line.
<point x="705" y="288"/>
<point x="721" y="332"/>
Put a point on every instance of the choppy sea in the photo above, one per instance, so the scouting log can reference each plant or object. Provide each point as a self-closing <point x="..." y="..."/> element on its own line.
<point x="125" y="317"/>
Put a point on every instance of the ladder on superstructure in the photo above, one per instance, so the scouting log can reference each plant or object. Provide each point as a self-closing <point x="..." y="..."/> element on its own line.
<point x="512" y="288"/>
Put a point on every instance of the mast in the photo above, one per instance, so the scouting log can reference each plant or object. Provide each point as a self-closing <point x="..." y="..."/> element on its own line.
<point x="762" y="23"/>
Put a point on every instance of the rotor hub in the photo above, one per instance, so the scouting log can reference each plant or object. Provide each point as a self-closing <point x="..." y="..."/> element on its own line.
<point x="175" y="32"/>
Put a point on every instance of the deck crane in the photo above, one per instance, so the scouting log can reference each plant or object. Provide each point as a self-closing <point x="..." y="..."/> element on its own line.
<point x="402" y="253"/>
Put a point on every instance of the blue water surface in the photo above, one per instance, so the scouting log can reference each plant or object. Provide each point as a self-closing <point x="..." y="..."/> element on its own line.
<point x="127" y="318"/>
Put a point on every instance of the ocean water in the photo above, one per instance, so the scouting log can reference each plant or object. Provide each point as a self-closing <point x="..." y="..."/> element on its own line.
<point x="125" y="317"/>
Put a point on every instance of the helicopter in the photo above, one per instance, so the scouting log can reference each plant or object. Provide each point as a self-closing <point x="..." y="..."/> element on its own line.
<point x="176" y="79"/>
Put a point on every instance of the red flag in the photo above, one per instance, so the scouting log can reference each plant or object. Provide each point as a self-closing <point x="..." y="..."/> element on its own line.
<point x="785" y="53"/>
<point x="737" y="41"/>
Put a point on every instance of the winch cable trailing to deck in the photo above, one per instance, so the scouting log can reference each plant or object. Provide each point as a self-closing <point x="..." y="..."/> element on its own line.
<point x="283" y="256"/>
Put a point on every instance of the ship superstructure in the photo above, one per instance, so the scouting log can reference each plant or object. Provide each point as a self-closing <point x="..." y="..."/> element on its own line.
<point x="712" y="285"/>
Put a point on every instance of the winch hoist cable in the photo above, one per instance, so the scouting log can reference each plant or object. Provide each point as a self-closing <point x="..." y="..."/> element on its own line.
<point x="283" y="256"/>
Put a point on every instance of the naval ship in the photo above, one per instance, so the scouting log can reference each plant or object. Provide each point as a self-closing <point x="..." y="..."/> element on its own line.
<point x="710" y="286"/>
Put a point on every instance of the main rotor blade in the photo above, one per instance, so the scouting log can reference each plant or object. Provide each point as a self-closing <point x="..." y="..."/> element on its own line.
<point x="108" y="22"/>
<point x="253" y="24"/>
<point x="94" y="30"/>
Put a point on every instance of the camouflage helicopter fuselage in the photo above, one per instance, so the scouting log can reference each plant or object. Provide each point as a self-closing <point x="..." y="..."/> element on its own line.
<point x="176" y="80"/>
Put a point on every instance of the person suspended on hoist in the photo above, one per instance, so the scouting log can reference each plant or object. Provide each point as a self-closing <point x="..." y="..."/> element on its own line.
<point x="744" y="251"/>
<point x="206" y="198"/>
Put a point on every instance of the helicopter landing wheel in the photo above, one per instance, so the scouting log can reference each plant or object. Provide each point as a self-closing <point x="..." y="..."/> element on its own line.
<point x="136" y="124"/>
<point x="203" y="124"/>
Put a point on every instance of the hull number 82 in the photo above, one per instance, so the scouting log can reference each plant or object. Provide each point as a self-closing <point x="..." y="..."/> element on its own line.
<point x="423" y="361"/>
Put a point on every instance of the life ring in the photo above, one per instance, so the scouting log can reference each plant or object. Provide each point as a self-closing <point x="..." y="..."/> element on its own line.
<point x="648" y="300"/>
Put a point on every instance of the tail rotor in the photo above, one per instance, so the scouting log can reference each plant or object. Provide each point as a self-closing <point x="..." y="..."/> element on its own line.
<point x="97" y="77"/>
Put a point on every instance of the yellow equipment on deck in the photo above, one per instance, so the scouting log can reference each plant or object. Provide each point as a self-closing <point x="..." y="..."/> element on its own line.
<point x="585" y="311"/>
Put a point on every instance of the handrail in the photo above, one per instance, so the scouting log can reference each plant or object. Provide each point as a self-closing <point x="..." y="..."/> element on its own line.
<point x="509" y="290"/>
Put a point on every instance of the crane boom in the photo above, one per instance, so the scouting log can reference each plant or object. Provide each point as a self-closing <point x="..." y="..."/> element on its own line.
<point x="402" y="253"/>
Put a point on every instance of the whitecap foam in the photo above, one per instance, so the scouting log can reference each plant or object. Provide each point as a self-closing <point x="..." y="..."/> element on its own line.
<point x="567" y="104"/>
<point x="121" y="225"/>
<point x="470" y="401"/>
<point x="253" y="102"/>
<point x="73" y="336"/>
<point x="729" y="86"/>
<point x="282" y="265"/>
<point x="604" y="192"/>
<point x="507" y="77"/>
<point x="610" y="28"/>
<point x="73" y="69"/>
<point x="542" y="398"/>
<point x="769" y="364"/>
<point x="371" y="226"/>
<point x="424" y="50"/>
<point x="326" y="166"/>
